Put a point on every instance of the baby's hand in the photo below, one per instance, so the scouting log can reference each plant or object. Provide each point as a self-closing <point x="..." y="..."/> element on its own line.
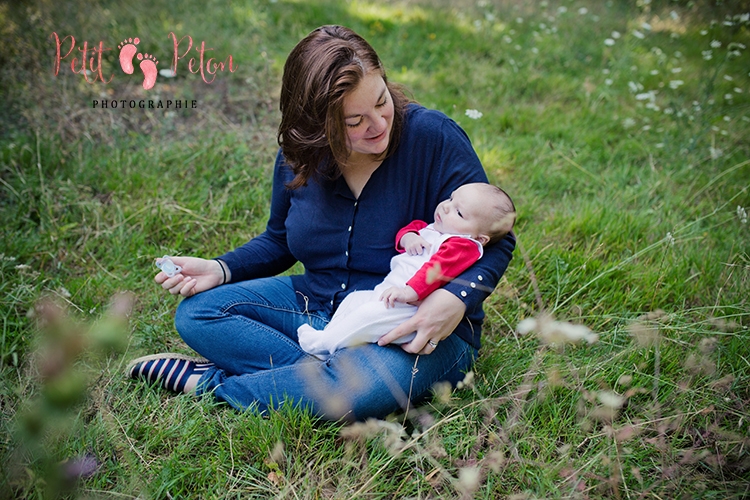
<point x="397" y="294"/>
<point x="414" y="244"/>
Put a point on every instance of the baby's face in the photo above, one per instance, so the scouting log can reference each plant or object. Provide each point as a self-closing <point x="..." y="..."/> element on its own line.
<point x="463" y="213"/>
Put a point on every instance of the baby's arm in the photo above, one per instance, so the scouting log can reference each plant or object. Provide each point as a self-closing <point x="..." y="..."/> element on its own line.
<point x="398" y="294"/>
<point x="453" y="257"/>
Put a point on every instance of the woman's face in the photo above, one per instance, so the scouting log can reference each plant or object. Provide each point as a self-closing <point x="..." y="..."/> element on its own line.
<point x="368" y="115"/>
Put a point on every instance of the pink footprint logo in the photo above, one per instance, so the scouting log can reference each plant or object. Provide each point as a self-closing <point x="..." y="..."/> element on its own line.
<point x="148" y="66"/>
<point x="127" y="51"/>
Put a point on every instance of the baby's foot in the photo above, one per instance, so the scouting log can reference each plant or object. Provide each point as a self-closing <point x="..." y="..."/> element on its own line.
<point x="127" y="51"/>
<point x="148" y="66"/>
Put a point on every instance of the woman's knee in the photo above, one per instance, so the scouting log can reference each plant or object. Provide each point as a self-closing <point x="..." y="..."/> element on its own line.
<point x="190" y="312"/>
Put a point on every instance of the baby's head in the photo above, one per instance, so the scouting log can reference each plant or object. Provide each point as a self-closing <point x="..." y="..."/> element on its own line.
<point x="483" y="211"/>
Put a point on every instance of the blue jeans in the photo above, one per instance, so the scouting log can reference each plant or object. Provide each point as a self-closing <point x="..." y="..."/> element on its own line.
<point x="249" y="330"/>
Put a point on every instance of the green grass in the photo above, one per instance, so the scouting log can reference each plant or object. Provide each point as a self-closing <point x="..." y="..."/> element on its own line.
<point x="630" y="203"/>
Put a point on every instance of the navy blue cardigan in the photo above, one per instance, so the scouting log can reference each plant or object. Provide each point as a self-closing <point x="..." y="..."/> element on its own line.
<point x="346" y="244"/>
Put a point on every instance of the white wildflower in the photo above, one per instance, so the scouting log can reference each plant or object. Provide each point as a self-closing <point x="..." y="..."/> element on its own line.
<point x="704" y="32"/>
<point x="676" y="70"/>
<point x="507" y="39"/>
<point x="653" y="106"/>
<point x="610" y="399"/>
<point x="738" y="90"/>
<point x="534" y="50"/>
<point x="668" y="111"/>
<point x="646" y="128"/>
<point x="707" y="55"/>
<point x="605" y="71"/>
<point x="669" y="239"/>
<point x="654" y="72"/>
<point x="673" y="84"/>
<point x="583" y="11"/>
<point x="554" y="332"/>
<point x="742" y="214"/>
<point x="469" y="479"/>
<point x="659" y="145"/>
<point x="635" y="87"/>
<point x="727" y="119"/>
<point x="646" y="26"/>
<point x="644" y="96"/>
<point x="526" y="326"/>
<point x="639" y="35"/>
<point x="728" y="97"/>
<point x="715" y="153"/>
<point x="715" y="44"/>
<point x="674" y="15"/>
<point x="562" y="9"/>
<point x="728" y="78"/>
<point x="608" y="81"/>
<point x="519" y="20"/>
<point x="609" y="42"/>
<point x="628" y="123"/>
<point x="616" y="35"/>
<point x="473" y="114"/>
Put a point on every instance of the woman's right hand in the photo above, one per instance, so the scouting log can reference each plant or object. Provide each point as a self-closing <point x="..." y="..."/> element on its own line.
<point x="197" y="275"/>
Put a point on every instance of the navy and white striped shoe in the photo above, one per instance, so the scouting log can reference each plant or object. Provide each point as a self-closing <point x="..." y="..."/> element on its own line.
<point x="176" y="372"/>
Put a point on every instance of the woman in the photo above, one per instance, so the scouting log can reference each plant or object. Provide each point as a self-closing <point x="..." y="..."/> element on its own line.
<point x="357" y="162"/>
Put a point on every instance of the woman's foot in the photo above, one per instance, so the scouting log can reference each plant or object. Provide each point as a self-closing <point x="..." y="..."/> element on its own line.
<point x="176" y="372"/>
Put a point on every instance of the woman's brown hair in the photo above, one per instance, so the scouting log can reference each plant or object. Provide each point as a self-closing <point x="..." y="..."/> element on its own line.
<point x="319" y="73"/>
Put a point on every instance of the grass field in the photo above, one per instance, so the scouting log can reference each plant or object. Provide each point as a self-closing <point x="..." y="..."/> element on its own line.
<point x="621" y="130"/>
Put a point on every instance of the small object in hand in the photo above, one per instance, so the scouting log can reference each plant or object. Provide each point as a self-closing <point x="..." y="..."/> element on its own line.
<point x="168" y="267"/>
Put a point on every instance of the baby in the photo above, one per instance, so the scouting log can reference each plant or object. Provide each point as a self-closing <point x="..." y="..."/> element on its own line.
<point x="475" y="215"/>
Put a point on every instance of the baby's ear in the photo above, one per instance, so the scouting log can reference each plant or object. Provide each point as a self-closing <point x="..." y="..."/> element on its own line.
<point x="483" y="239"/>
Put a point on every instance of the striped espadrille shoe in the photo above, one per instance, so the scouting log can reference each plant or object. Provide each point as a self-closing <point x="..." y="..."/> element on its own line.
<point x="176" y="372"/>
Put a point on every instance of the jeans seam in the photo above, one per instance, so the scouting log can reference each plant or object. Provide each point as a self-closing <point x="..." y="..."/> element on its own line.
<point x="225" y="309"/>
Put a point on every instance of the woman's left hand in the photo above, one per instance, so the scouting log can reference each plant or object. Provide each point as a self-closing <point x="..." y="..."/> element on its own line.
<point x="436" y="318"/>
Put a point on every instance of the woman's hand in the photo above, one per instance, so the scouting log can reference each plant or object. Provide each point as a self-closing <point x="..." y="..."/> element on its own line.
<point x="436" y="318"/>
<point x="197" y="275"/>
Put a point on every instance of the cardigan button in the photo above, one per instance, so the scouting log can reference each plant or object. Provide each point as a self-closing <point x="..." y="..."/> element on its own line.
<point x="473" y="285"/>
<point x="463" y="293"/>
<point x="480" y="277"/>
<point x="343" y="286"/>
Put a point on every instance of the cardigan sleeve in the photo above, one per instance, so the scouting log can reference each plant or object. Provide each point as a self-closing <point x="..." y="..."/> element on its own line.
<point x="477" y="283"/>
<point x="454" y="256"/>
<point x="268" y="253"/>
<point x="460" y="165"/>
